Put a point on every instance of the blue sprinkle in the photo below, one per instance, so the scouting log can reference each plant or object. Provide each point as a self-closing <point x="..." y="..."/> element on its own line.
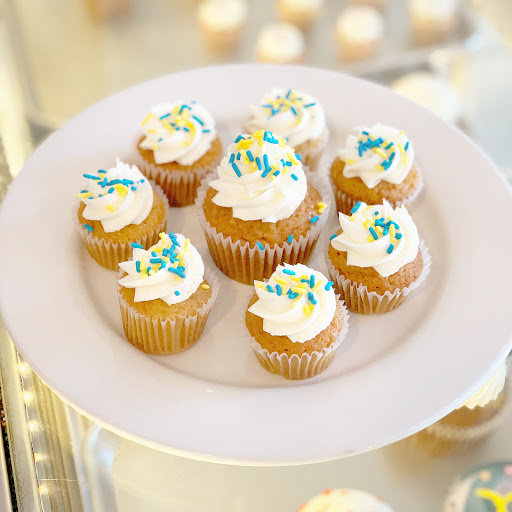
<point x="289" y="164"/>
<point x="232" y="158"/>
<point x="309" y="105"/>
<point x="279" y="290"/>
<point x="249" y="155"/>
<point x="133" y="188"/>
<point x="293" y="295"/>
<point x="304" y="280"/>
<point x="298" y="157"/>
<point x="238" y="156"/>
<point x="289" y="272"/>
<point x="365" y="133"/>
<point x="376" y="213"/>
<point x="155" y="260"/>
<point x="389" y="145"/>
<point x="91" y="177"/>
<point x="390" y="248"/>
<point x="235" y="168"/>
<point x="374" y="234"/>
<point x="165" y="251"/>
<point x="183" y="107"/>
<point x="266" y="172"/>
<point x="165" y="115"/>
<point x="314" y="219"/>
<point x="328" y="286"/>
<point x="334" y="235"/>
<point x="142" y="180"/>
<point x="83" y="191"/>
<point x="276" y="173"/>
<point x="269" y="289"/>
<point x="294" y="177"/>
<point x="406" y="147"/>
<point x="176" y="292"/>
<point x="89" y="228"/>
<point x="386" y="231"/>
<point x="185" y="128"/>
<point x="290" y="239"/>
<point x="176" y="271"/>
<point x="356" y="207"/>
<point x="136" y="246"/>
<point x="312" y="298"/>
<point x="293" y="110"/>
<point x="206" y="131"/>
<point x="198" y="120"/>
<point x="265" y="136"/>
<point x="153" y="253"/>
<point x="398" y="236"/>
<point x="102" y="171"/>
<point x="258" y="163"/>
<point x="137" y="266"/>
<point x="239" y="138"/>
<point x="288" y="94"/>
<point x="312" y="281"/>
<point x="265" y="161"/>
<point x="260" y="246"/>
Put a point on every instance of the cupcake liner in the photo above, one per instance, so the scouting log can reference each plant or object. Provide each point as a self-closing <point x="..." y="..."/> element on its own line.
<point x="180" y="187"/>
<point x="170" y="336"/>
<point x="360" y="300"/>
<point x="297" y="367"/>
<point x="108" y="253"/>
<point x="245" y="264"/>
<point x="345" y="202"/>
<point x="311" y="151"/>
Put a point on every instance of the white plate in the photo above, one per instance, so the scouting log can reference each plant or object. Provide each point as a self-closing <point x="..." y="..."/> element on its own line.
<point x="393" y="375"/>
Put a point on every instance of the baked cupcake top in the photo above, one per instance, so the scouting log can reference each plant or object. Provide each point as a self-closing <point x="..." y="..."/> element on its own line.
<point x="261" y="178"/>
<point x="296" y="301"/>
<point x="117" y="197"/>
<point x="360" y="24"/>
<point x="171" y="270"/>
<point x="178" y="132"/>
<point x="490" y="390"/>
<point x="345" y="500"/>
<point x="376" y="154"/>
<point x="294" y="115"/>
<point x="377" y="236"/>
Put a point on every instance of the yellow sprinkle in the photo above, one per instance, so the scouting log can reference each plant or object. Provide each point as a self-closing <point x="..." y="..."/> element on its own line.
<point x="187" y="243"/>
<point x="380" y="153"/>
<point x="151" y="130"/>
<point x="111" y="208"/>
<point x="321" y="205"/>
<point x="370" y="239"/>
<point x="317" y="285"/>
<point x="351" y="218"/>
<point x="307" y="310"/>
<point x="155" y="145"/>
<point x="350" y="161"/>
<point x="273" y="177"/>
<point x="401" y="148"/>
<point x="175" y="264"/>
<point x="292" y="158"/>
<point x="401" y="133"/>
<point x="147" y="118"/>
<point x="404" y="159"/>
<point x="121" y="189"/>
<point x="259" y="284"/>
<point x="285" y="170"/>
<point x="162" y="236"/>
<point x="280" y="281"/>
<point x="205" y="286"/>
<point x="167" y="125"/>
<point x="392" y="231"/>
<point x="84" y="194"/>
<point x="295" y="278"/>
<point x="144" y="276"/>
<point x="379" y="229"/>
<point x="294" y="303"/>
<point x="151" y="272"/>
<point x="296" y="289"/>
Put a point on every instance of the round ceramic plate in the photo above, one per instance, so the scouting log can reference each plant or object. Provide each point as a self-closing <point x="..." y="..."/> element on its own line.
<point x="393" y="375"/>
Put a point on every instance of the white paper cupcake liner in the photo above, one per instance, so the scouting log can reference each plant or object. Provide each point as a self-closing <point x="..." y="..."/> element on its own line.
<point x="245" y="264"/>
<point x="108" y="253"/>
<point x="297" y="367"/>
<point x="170" y="336"/>
<point x="360" y="300"/>
<point x="345" y="202"/>
<point x="180" y="187"/>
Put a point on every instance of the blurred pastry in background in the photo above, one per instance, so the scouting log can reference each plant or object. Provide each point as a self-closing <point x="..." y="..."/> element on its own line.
<point x="433" y="20"/>
<point x="431" y="91"/>
<point x="222" y="22"/>
<point x="379" y="4"/>
<point x="280" y="43"/>
<point x="471" y="423"/>
<point x="345" y="500"/>
<point x="300" y="12"/>
<point x="107" y="8"/>
<point x="359" y="31"/>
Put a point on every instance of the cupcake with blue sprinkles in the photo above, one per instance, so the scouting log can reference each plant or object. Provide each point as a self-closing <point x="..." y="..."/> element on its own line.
<point x="165" y="295"/>
<point x="260" y="209"/>
<point x="118" y="206"/>
<point x="296" y="322"/>
<point x="376" y="258"/>
<point x="376" y="164"/>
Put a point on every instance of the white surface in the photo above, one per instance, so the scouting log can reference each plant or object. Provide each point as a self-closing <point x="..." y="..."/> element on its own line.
<point x="394" y="374"/>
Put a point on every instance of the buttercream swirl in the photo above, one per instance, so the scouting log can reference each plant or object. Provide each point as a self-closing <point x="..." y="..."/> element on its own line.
<point x="378" y="236"/>
<point x="261" y="178"/>
<point x="117" y="197"/>
<point x="376" y="154"/>
<point x="294" y="115"/>
<point x="171" y="270"/>
<point x="490" y="390"/>
<point x="297" y="302"/>
<point x="345" y="500"/>
<point x="179" y="132"/>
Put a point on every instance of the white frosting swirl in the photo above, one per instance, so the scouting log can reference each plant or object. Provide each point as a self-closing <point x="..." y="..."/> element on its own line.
<point x="171" y="270"/>
<point x="378" y="236"/>
<point x="345" y="500"/>
<point x="490" y="390"/>
<point x="297" y="302"/>
<point x="376" y="154"/>
<point x="117" y="197"/>
<point x="179" y="132"/>
<point x="280" y="43"/>
<point x="294" y="115"/>
<point x="222" y="14"/>
<point x="360" y="24"/>
<point x="261" y="178"/>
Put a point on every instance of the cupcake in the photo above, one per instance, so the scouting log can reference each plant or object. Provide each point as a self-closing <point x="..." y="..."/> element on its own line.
<point x="117" y="207"/>
<point x="376" y="163"/>
<point x="260" y="211"/>
<point x="471" y="423"/>
<point x="376" y="258"/>
<point x="295" y="322"/>
<point x="486" y="488"/>
<point x="301" y="13"/>
<point x="280" y="43"/>
<point x="165" y="295"/>
<point x="359" y="31"/>
<point x="221" y="22"/>
<point x="178" y="149"/>
<point x="345" y="500"/>
<point x="433" y="20"/>
<point x="295" y="116"/>
<point x="378" y="4"/>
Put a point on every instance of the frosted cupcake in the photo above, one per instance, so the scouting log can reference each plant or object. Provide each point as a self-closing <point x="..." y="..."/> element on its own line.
<point x="300" y="12"/>
<point x="345" y="500"/>
<point x="376" y="258"/>
<point x="471" y="423"/>
<point x="222" y="22"/>
<point x="260" y="211"/>
<point x="376" y="164"/>
<point x="295" y="116"/>
<point x="280" y="43"/>
<point x="178" y="149"/>
<point x="165" y="295"/>
<point x="119" y="206"/>
<point x="359" y="31"/>
<point x="433" y="20"/>
<point x="296" y="322"/>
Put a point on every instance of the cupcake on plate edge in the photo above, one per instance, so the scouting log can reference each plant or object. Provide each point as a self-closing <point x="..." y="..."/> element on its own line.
<point x="345" y="500"/>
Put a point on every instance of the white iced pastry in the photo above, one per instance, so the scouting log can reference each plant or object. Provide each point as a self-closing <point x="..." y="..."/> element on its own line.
<point x="360" y="24"/>
<point x="490" y="390"/>
<point x="222" y="15"/>
<point x="117" y="197"/>
<point x="345" y="500"/>
<point x="434" y="10"/>
<point x="280" y="43"/>
<point x="300" y="12"/>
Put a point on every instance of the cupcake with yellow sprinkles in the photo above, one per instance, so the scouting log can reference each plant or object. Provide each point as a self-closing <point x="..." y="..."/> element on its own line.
<point x="178" y="148"/>
<point x="119" y="206"/>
